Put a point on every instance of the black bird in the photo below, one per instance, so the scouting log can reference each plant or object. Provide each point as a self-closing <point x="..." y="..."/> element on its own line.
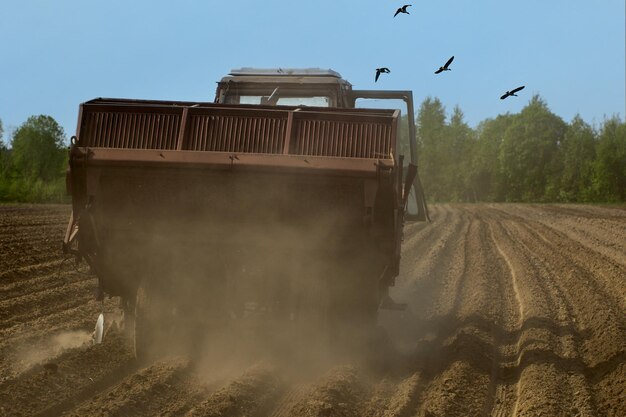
<point x="402" y="10"/>
<point x="445" y="67"/>
<point x="381" y="70"/>
<point x="512" y="92"/>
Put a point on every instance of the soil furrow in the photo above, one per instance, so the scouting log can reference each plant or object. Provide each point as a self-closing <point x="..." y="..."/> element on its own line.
<point x="42" y="283"/>
<point x="252" y="394"/>
<point x="339" y="393"/>
<point x="504" y="393"/>
<point x="48" y="390"/>
<point x="395" y="400"/>
<point x="585" y="302"/>
<point x="512" y="310"/>
<point x="594" y="262"/>
<point x="501" y="311"/>
<point x="289" y="399"/>
<point x="561" y="339"/>
<point x="30" y="307"/>
<point x="417" y="235"/>
<point x="165" y="388"/>
<point x="426" y="284"/>
<point x="51" y="265"/>
<point x="587" y="309"/>
<point x="30" y="343"/>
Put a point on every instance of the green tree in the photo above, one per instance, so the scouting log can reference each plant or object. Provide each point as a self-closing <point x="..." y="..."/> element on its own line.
<point x="527" y="153"/>
<point x="485" y="174"/>
<point x="459" y="145"/>
<point x="431" y="132"/>
<point x="578" y="151"/>
<point x="610" y="166"/>
<point x="530" y="156"/>
<point x="38" y="149"/>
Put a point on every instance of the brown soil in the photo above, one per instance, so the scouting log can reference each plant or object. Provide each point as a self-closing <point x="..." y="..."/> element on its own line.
<point x="514" y="310"/>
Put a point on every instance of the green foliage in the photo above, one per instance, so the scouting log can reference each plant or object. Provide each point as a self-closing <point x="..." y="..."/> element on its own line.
<point x="610" y="165"/>
<point x="33" y="191"/>
<point x="431" y="137"/>
<point x="38" y="149"/>
<point x="444" y="150"/>
<point x="33" y="170"/>
<point x="578" y="152"/>
<point x="485" y="178"/>
<point x="460" y="142"/>
<point x="527" y="152"/>
<point x="532" y="156"/>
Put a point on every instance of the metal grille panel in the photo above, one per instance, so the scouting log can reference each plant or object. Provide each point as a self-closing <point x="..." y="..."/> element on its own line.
<point x="130" y="130"/>
<point x="222" y="133"/>
<point x="150" y="125"/>
<point x="342" y="139"/>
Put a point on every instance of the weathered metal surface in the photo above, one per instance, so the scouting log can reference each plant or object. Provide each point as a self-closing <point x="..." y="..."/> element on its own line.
<point x="233" y="131"/>
<point x="342" y="139"/>
<point x="104" y="157"/>
<point x="130" y="127"/>
<point x="367" y="134"/>
<point x="198" y="187"/>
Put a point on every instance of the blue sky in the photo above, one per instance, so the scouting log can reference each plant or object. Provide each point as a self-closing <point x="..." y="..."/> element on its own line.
<point x="55" y="54"/>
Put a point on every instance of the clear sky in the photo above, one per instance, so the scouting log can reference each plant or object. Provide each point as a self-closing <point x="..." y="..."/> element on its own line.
<point x="55" y="54"/>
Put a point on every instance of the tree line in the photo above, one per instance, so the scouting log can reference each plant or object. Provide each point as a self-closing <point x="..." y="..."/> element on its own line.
<point x="531" y="156"/>
<point x="33" y="168"/>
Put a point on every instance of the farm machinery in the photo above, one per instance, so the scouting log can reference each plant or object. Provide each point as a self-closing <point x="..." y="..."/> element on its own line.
<point x="281" y="199"/>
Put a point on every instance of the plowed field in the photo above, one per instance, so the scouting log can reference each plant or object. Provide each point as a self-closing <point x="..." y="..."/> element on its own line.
<point x="513" y="310"/>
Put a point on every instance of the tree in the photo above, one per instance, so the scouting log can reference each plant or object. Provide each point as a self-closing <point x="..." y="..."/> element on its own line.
<point x="485" y="177"/>
<point x="431" y="132"/>
<point x="530" y="156"/>
<point x="38" y="149"/>
<point x="459" y="144"/>
<point x="527" y="153"/>
<point x="609" y="167"/>
<point x="577" y="156"/>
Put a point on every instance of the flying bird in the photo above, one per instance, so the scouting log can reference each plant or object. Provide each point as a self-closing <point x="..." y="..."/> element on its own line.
<point x="402" y="10"/>
<point x="512" y="92"/>
<point x="445" y="67"/>
<point x="380" y="71"/>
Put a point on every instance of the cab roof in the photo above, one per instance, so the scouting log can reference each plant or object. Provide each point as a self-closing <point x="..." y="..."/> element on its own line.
<point x="284" y="76"/>
<point x="316" y="72"/>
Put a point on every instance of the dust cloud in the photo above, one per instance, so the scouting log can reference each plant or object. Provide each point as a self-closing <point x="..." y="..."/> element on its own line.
<point x="50" y="348"/>
<point x="239" y="268"/>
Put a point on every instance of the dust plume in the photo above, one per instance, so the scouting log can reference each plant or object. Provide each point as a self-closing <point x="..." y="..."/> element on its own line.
<point x="50" y="348"/>
<point x="235" y="268"/>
